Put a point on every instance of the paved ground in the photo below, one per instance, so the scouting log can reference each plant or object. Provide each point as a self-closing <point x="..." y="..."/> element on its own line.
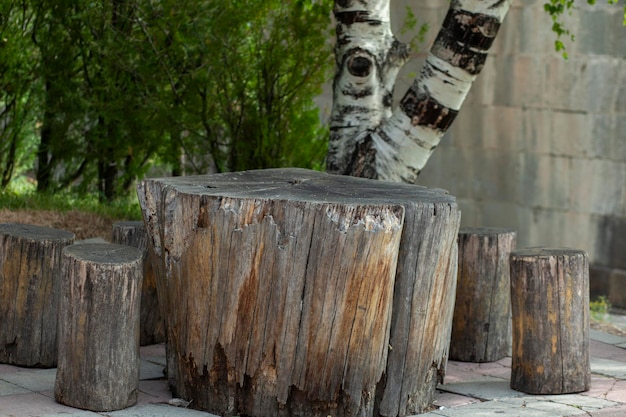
<point x="470" y="390"/>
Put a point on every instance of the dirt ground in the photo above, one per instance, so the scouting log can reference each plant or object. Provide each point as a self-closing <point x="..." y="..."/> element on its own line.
<point x="83" y="225"/>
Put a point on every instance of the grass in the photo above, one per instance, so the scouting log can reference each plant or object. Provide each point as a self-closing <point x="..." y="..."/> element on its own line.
<point x="599" y="308"/>
<point x="123" y="208"/>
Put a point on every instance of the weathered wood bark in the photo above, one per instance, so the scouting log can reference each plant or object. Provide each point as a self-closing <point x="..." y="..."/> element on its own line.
<point x="482" y="311"/>
<point x="98" y="366"/>
<point x="279" y="284"/>
<point x="370" y="139"/>
<point x="151" y="325"/>
<point x="30" y="263"/>
<point x="550" y="304"/>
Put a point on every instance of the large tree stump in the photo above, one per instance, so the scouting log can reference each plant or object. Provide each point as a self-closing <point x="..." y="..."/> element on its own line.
<point x="98" y="367"/>
<point x="30" y="259"/>
<point x="550" y="303"/>
<point x="482" y="311"/>
<point x="151" y="325"/>
<point x="296" y="293"/>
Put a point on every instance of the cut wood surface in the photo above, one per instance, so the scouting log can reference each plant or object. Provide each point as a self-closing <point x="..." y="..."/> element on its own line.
<point x="30" y="264"/>
<point x="482" y="312"/>
<point x="550" y="304"/>
<point x="282" y="295"/>
<point x="151" y="325"/>
<point x="98" y="367"/>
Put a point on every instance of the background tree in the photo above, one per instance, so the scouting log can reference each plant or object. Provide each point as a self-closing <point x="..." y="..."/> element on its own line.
<point x="117" y="85"/>
<point x="17" y="90"/>
<point x="242" y="91"/>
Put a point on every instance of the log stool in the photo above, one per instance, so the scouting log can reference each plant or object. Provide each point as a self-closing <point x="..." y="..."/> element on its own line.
<point x="30" y="259"/>
<point x="294" y="292"/>
<point x="480" y="327"/>
<point x="151" y="325"/>
<point x="550" y="304"/>
<point x="98" y="367"/>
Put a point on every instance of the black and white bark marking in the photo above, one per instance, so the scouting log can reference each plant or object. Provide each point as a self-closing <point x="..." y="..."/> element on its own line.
<point x="365" y="130"/>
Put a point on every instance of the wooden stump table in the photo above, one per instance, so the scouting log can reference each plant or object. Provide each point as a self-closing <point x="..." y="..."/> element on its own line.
<point x="293" y="292"/>
<point x="98" y="367"/>
<point x="151" y="325"/>
<point x="30" y="263"/>
<point x="550" y="303"/>
<point x="482" y="311"/>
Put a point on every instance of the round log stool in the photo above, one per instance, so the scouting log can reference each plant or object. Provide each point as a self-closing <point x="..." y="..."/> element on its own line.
<point x="480" y="327"/>
<point x="30" y="259"/>
<point x="550" y="304"/>
<point x="98" y="367"/>
<point x="151" y="325"/>
<point x="294" y="292"/>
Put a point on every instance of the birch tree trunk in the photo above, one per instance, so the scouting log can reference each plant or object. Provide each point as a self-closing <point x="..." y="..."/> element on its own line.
<point x="368" y="138"/>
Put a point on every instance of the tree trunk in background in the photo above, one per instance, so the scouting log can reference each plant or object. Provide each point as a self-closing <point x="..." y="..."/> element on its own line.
<point x="368" y="138"/>
<point x="45" y="156"/>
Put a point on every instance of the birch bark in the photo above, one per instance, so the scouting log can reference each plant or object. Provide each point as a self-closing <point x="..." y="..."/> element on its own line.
<point x="370" y="139"/>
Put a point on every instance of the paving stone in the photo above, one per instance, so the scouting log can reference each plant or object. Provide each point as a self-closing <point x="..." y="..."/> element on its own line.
<point x="510" y="407"/>
<point x="457" y="371"/>
<point x="608" y="367"/>
<point x="35" y="404"/>
<point x="607" y="338"/>
<point x="160" y="410"/>
<point x="619" y="411"/>
<point x="600" y="386"/>
<point x="160" y="360"/>
<point x="150" y="370"/>
<point x="487" y="389"/>
<point x="582" y="402"/>
<point x="49" y="393"/>
<point x="8" y="389"/>
<point x="495" y="369"/>
<point x="551" y="408"/>
<point x="607" y="351"/>
<point x="9" y="369"/>
<point x="617" y="393"/>
<point x="33" y="380"/>
<point x="449" y="399"/>
<point x="463" y="375"/>
<point x="152" y="350"/>
<point x="153" y="391"/>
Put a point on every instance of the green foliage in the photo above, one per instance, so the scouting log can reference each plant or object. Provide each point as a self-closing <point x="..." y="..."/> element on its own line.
<point x="409" y="25"/>
<point x="556" y="9"/>
<point x="108" y="88"/>
<point x="17" y="82"/>
<point x="599" y="308"/>
<point x="244" y="93"/>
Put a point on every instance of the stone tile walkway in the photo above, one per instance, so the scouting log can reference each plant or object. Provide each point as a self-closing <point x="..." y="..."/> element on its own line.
<point x="470" y="390"/>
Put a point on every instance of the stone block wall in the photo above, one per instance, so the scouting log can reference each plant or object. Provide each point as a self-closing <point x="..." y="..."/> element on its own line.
<point x="540" y="144"/>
